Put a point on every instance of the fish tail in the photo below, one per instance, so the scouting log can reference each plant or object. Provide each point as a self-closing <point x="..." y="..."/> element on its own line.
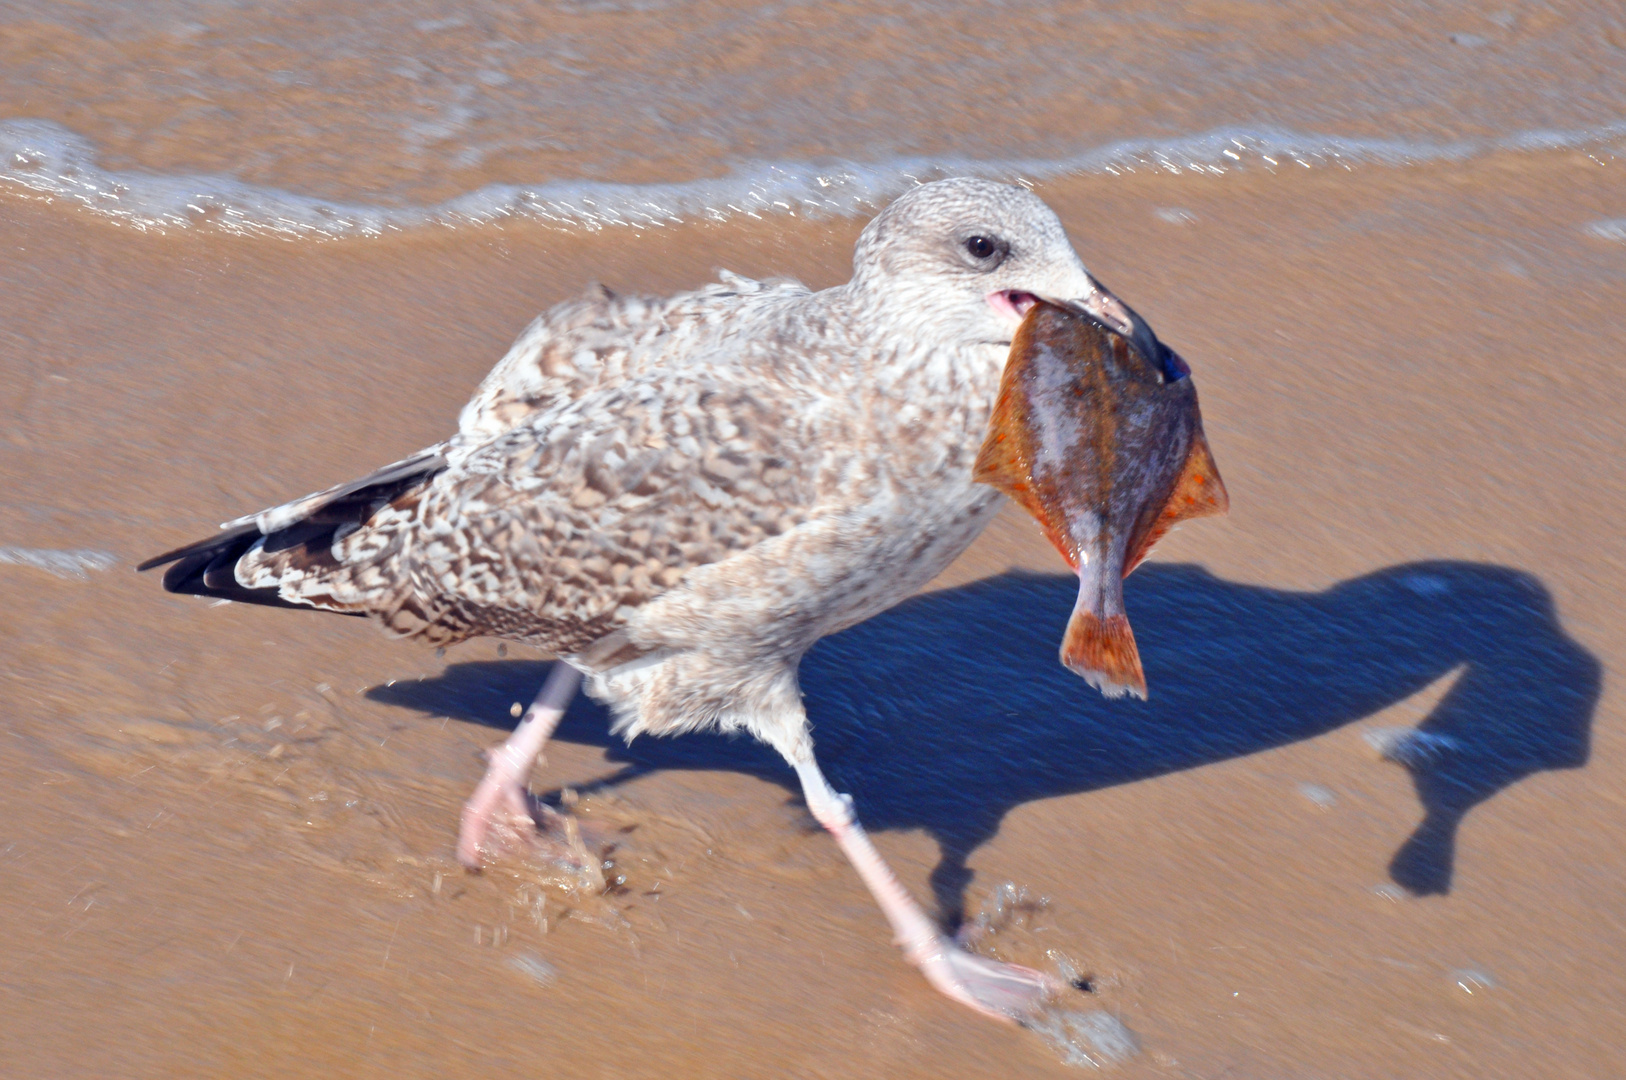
<point x="1103" y="651"/>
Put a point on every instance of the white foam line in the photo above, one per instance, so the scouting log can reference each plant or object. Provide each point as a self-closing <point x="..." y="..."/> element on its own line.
<point x="43" y="160"/>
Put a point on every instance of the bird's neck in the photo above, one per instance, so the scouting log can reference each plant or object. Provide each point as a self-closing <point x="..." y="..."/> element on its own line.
<point x="920" y="403"/>
<point x="903" y="349"/>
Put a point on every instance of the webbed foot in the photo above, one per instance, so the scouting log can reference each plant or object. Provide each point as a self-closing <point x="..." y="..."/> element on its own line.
<point x="994" y="988"/>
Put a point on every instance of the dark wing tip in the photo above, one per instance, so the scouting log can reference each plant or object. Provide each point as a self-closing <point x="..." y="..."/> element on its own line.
<point x="209" y="568"/>
<point x="212" y="546"/>
<point x="167" y="557"/>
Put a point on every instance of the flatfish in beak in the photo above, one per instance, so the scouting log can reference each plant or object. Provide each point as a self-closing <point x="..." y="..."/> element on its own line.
<point x="1098" y="435"/>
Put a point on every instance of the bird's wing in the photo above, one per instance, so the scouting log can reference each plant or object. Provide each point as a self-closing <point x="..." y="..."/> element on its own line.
<point x="601" y="339"/>
<point x="558" y="529"/>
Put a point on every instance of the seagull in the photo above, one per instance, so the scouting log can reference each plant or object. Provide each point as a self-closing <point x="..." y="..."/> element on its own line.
<point x="678" y="497"/>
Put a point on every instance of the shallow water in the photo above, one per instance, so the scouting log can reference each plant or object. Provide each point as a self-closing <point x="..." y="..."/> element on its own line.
<point x="1368" y="824"/>
<point x="342" y="118"/>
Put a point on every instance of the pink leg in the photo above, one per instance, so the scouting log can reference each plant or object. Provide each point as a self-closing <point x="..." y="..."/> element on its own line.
<point x="1003" y="991"/>
<point x="501" y="800"/>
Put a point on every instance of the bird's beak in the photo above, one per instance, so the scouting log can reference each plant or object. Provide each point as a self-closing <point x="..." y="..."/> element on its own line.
<point x="1099" y="303"/>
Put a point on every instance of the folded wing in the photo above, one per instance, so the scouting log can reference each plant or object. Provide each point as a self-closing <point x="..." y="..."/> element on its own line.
<point x="553" y="532"/>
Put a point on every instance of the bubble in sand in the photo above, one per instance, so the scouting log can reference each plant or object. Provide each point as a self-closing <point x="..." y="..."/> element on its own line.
<point x="1427" y="585"/>
<point x="535" y="968"/>
<point x="1319" y="795"/>
<point x="1473" y="981"/>
<point x="1614" y="229"/>
<point x="1410" y="747"/>
<point x="1093" y="1038"/>
<point x="1175" y="215"/>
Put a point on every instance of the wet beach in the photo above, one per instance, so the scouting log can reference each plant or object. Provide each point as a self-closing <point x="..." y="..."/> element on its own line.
<point x="1370" y="822"/>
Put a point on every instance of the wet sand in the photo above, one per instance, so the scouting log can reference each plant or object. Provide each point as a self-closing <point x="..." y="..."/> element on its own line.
<point x="227" y="833"/>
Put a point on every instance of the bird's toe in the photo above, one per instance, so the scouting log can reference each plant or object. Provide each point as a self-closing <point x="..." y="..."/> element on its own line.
<point x="1000" y="990"/>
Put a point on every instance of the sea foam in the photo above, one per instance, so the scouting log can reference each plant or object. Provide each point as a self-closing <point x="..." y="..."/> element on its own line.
<point x="43" y="160"/>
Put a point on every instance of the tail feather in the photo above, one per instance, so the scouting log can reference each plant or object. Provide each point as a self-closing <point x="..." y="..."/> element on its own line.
<point x="209" y="567"/>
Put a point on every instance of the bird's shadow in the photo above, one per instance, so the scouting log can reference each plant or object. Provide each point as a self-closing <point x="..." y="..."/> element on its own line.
<point x="950" y="709"/>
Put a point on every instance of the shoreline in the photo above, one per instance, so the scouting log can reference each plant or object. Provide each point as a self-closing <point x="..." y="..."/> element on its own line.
<point x="1395" y="371"/>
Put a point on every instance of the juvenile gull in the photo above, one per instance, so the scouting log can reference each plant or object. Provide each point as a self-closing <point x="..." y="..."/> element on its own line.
<point x="679" y="497"/>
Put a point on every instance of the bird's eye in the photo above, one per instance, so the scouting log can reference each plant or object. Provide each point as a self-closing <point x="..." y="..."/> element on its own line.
<point x="981" y="248"/>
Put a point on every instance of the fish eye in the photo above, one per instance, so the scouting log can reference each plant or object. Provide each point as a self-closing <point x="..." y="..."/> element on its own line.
<point x="986" y="252"/>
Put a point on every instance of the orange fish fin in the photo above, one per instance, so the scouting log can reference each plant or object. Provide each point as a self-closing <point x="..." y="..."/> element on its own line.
<point x="1198" y="492"/>
<point x="1104" y="652"/>
<point x="1005" y="461"/>
<point x="1003" y="464"/>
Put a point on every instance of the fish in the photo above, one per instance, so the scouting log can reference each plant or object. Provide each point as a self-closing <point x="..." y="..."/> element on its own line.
<point x="1097" y="434"/>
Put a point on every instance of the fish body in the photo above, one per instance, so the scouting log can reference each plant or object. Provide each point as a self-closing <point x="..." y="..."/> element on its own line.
<point x="1097" y="434"/>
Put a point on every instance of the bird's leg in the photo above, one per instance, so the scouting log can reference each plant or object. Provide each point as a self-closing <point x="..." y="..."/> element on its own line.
<point x="501" y="800"/>
<point x="1003" y="991"/>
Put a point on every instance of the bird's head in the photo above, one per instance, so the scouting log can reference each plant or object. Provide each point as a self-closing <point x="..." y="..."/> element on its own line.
<point x="961" y="261"/>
